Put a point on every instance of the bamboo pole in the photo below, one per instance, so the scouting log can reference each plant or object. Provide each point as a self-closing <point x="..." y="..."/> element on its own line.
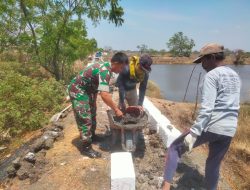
<point x="189" y="83"/>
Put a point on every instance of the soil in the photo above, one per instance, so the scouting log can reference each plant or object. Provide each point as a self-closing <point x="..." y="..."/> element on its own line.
<point x="63" y="166"/>
<point x="149" y="167"/>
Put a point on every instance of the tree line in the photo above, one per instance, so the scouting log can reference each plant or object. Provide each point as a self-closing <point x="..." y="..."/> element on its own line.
<point x="180" y="45"/>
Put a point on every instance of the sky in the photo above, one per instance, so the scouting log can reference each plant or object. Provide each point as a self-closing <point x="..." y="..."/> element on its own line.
<point x="153" y="22"/>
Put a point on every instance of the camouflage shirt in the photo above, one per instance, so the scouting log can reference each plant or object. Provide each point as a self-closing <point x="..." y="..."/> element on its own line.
<point x="92" y="79"/>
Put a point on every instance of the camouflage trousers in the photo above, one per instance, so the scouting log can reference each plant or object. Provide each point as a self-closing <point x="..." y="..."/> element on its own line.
<point x="84" y="107"/>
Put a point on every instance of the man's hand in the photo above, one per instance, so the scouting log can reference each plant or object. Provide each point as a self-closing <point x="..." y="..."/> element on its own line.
<point x="122" y="107"/>
<point x="141" y="108"/>
<point x="118" y="113"/>
<point x="189" y="140"/>
<point x="107" y="98"/>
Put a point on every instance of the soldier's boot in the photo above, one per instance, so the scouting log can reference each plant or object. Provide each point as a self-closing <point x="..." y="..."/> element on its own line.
<point x="96" y="138"/>
<point x="90" y="152"/>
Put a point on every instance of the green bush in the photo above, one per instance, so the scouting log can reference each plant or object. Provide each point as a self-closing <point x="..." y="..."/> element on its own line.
<point x="25" y="102"/>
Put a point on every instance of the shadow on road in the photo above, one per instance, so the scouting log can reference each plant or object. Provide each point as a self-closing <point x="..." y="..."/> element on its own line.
<point x="189" y="178"/>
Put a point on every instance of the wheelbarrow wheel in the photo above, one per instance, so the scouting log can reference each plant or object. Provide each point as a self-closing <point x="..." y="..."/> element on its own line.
<point x="115" y="133"/>
<point x="129" y="140"/>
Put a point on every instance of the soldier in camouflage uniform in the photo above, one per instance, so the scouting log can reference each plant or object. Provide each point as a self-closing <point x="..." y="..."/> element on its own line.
<point x="83" y="91"/>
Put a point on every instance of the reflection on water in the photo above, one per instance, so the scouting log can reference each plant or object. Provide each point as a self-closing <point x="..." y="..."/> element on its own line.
<point x="173" y="80"/>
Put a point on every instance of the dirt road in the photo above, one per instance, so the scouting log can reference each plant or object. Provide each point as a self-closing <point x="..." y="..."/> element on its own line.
<point x="66" y="168"/>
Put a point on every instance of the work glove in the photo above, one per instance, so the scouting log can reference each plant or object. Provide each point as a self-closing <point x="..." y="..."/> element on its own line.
<point x="189" y="140"/>
<point x="141" y="108"/>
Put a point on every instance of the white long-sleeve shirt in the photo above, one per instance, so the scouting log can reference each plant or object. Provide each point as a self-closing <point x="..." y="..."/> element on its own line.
<point x="219" y="102"/>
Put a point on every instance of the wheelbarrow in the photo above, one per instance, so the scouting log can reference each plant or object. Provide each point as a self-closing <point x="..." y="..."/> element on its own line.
<point x="127" y="128"/>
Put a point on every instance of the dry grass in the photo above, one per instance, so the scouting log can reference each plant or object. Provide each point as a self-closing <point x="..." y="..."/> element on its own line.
<point x="153" y="90"/>
<point x="238" y="158"/>
<point x="242" y="138"/>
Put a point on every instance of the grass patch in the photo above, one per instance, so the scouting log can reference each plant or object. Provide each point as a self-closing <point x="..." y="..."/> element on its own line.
<point x="241" y="141"/>
<point x="153" y="90"/>
<point x="238" y="158"/>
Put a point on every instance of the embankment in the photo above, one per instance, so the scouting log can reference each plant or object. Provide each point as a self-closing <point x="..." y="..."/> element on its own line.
<point x="236" y="165"/>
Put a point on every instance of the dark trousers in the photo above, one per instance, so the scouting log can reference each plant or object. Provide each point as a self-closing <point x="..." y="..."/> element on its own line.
<point x="218" y="146"/>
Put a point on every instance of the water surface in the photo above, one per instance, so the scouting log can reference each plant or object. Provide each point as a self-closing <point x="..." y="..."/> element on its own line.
<point x="173" y="80"/>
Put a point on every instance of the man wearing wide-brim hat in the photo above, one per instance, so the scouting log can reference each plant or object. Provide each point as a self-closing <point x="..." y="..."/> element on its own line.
<point x="217" y="120"/>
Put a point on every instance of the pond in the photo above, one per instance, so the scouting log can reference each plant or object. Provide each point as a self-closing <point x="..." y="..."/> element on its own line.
<point x="173" y="80"/>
